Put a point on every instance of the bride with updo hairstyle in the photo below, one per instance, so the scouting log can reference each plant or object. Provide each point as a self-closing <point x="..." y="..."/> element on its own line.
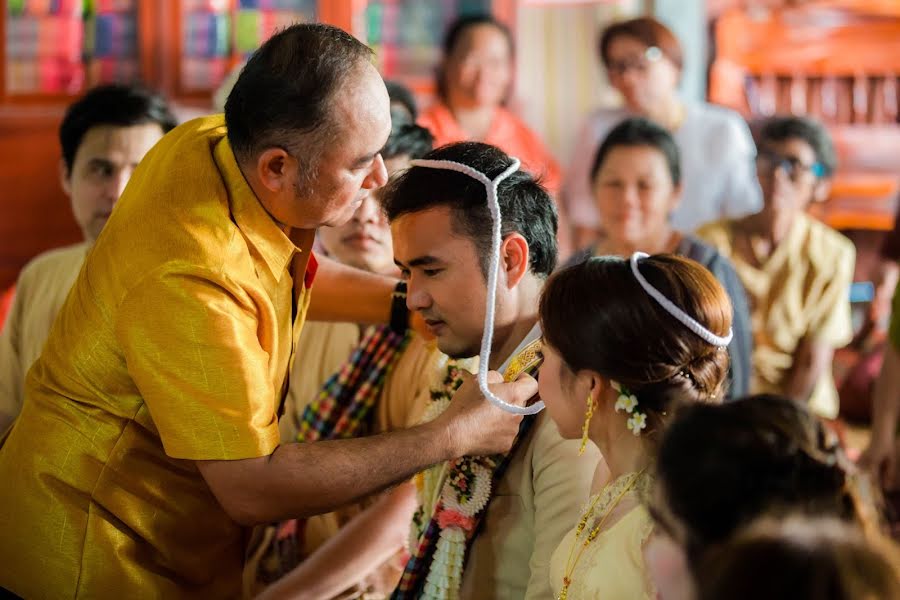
<point x="627" y="343"/>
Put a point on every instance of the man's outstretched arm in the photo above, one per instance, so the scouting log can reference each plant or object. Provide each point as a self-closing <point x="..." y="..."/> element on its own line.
<point x="300" y="480"/>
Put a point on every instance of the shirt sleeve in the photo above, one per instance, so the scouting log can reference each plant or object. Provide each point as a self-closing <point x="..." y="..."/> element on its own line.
<point x="562" y="481"/>
<point x="831" y="322"/>
<point x="577" y="195"/>
<point x="741" y="192"/>
<point x="191" y="344"/>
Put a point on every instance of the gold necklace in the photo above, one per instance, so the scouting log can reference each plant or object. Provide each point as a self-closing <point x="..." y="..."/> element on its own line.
<point x="592" y="534"/>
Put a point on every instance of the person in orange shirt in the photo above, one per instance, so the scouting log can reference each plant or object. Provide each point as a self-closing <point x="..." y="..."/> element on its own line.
<point x="473" y="86"/>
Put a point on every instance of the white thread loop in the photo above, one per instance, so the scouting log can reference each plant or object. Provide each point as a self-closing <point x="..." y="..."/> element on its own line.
<point x="669" y="306"/>
<point x="487" y="337"/>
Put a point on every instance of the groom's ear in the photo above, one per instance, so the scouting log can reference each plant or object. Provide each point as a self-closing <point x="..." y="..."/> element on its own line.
<point x="514" y="258"/>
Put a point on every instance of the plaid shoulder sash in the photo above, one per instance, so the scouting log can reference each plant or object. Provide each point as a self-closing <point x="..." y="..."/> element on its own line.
<point x="343" y="409"/>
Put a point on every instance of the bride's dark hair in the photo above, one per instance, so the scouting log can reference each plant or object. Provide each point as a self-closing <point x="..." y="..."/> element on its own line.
<point x="598" y="317"/>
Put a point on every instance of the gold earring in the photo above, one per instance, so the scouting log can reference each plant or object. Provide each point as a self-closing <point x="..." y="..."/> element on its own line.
<point x="587" y="423"/>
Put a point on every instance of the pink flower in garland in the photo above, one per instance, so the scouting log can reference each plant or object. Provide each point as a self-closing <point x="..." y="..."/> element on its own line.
<point x="451" y="518"/>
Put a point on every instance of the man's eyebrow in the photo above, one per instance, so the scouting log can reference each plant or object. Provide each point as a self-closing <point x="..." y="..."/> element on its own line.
<point x="421" y="261"/>
<point x="98" y="160"/>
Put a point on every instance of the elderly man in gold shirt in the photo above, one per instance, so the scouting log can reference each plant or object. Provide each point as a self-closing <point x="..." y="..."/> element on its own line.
<point x="148" y="439"/>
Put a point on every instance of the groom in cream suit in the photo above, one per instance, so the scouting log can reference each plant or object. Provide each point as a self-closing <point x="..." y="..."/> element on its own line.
<point x="441" y="231"/>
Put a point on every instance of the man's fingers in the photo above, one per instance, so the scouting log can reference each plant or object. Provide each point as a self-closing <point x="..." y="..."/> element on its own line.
<point x="517" y="392"/>
<point x="494" y="377"/>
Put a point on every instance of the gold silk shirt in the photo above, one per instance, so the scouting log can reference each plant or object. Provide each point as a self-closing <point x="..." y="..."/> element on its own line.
<point x="174" y="346"/>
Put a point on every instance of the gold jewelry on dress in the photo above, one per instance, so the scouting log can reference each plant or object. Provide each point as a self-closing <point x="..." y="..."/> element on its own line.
<point x="587" y="424"/>
<point x="593" y="532"/>
<point x="527" y="359"/>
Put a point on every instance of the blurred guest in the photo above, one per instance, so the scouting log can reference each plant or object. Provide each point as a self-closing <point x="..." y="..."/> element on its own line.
<point x="796" y="270"/>
<point x="801" y="559"/>
<point x="643" y="60"/>
<point x="103" y="137"/>
<point x="720" y="468"/>
<point x="474" y="83"/>
<point x="637" y="179"/>
<point x="404" y="110"/>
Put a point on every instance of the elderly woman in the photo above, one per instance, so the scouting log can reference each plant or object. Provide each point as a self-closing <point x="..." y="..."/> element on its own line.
<point x="636" y="185"/>
<point x="643" y="60"/>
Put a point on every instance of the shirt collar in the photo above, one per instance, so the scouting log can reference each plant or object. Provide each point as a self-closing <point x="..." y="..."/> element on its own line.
<point x="255" y="223"/>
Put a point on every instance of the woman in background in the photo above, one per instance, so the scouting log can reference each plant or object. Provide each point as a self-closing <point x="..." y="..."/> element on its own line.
<point x="643" y="60"/>
<point x="474" y="83"/>
<point x="636" y="185"/>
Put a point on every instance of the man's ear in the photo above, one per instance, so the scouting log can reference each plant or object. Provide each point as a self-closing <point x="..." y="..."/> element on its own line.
<point x="514" y="258"/>
<point x="822" y="189"/>
<point x="65" y="177"/>
<point x="272" y="168"/>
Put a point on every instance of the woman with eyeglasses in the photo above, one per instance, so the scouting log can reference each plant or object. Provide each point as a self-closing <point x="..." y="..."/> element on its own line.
<point x="796" y="270"/>
<point x="643" y="61"/>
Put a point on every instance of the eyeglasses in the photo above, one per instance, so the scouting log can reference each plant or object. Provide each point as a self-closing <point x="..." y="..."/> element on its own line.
<point x="792" y="166"/>
<point x="639" y="63"/>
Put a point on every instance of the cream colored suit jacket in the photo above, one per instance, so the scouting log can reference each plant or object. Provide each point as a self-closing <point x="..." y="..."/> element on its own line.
<point x="536" y="503"/>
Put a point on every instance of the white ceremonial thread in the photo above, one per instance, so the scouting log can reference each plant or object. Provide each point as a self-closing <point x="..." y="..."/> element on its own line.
<point x="669" y="306"/>
<point x="487" y="337"/>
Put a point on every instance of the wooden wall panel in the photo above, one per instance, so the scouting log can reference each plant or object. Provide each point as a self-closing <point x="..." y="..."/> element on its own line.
<point x="34" y="213"/>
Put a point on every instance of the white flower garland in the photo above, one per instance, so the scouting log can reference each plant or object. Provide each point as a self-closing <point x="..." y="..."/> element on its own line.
<point x="445" y="572"/>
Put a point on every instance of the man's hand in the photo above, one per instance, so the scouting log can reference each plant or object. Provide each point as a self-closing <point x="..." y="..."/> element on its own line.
<point x="475" y="426"/>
